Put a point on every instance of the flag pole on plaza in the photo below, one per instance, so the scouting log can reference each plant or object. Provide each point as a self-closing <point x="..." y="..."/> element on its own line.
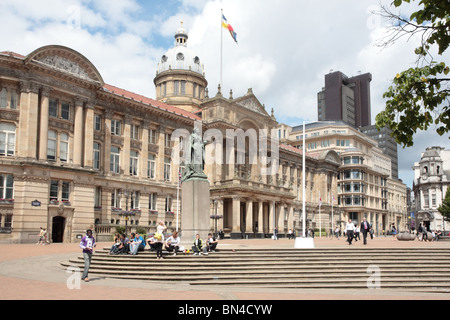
<point x="178" y="197"/>
<point x="221" y="49"/>
<point x="320" y="221"/>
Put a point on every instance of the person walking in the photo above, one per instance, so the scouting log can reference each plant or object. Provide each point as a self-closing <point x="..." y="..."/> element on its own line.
<point x="394" y="232"/>
<point x="365" y="229"/>
<point x="350" y="229"/>
<point x="357" y="237"/>
<point x="88" y="245"/>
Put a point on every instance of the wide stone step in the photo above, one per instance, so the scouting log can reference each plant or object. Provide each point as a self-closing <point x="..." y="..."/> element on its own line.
<point x="285" y="268"/>
<point x="281" y="275"/>
<point x="220" y="263"/>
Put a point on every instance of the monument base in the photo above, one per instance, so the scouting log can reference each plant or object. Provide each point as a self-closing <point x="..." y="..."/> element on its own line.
<point x="196" y="211"/>
<point x="304" y="243"/>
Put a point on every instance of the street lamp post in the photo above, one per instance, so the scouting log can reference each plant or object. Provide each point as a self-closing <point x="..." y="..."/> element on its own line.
<point x="127" y="214"/>
<point x="303" y="242"/>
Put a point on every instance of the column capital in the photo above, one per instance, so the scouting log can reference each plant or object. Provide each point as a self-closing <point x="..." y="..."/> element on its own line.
<point x="29" y="87"/>
<point x="79" y="101"/>
<point x="46" y="91"/>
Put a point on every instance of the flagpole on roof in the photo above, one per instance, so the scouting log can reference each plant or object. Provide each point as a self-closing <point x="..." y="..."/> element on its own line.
<point x="221" y="49"/>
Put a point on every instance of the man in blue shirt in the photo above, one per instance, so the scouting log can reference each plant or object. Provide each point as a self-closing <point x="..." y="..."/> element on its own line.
<point x="138" y="244"/>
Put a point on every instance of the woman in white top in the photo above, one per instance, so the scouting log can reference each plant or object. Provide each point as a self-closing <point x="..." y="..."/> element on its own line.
<point x="350" y="228"/>
<point x="160" y="229"/>
<point x="173" y="243"/>
<point x="159" y="242"/>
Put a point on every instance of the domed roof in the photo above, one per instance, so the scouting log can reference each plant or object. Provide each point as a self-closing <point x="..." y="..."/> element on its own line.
<point x="180" y="57"/>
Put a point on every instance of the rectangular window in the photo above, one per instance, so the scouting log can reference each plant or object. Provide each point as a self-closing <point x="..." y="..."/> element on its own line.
<point x="194" y="93"/>
<point x="135" y="200"/>
<point x="135" y="132"/>
<point x="116" y="128"/>
<point x="51" y="146"/>
<point x="98" y="123"/>
<point x="65" y="192"/>
<point x="168" y="206"/>
<point x="164" y="89"/>
<point x="53" y="108"/>
<point x="167" y="169"/>
<point x="115" y="160"/>
<point x="183" y="87"/>
<point x="98" y="198"/>
<point x="151" y="166"/>
<point x="152" y="137"/>
<point x="65" y="111"/>
<point x="7" y="187"/>
<point x="7" y="139"/>
<point x="3" y="98"/>
<point x="176" y="87"/>
<point x="167" y="140"/>
<point x="64" y="147"/>
<point x="115" y="199"/>
<point x="14" y="100"/>
<point x="96" y="163"/>
<point x="153" y="201"/>
<point x="134" y="161"/>
<point x="8" y="221"/>
<point x="54" y="188"/>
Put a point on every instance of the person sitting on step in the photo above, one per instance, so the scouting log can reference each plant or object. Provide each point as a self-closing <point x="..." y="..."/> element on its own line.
<point x="173" y="243"/>
<point x="211" y="243"/>
<point x="152" y="242"/>
<point x="198" y="246"/>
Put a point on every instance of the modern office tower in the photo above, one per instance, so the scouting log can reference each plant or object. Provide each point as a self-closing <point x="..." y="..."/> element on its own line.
<point x="346" y="99"/>
<point x="386" y="143"/>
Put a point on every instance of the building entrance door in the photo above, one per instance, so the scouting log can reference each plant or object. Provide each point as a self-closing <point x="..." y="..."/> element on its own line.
<point x="59" y="224"/>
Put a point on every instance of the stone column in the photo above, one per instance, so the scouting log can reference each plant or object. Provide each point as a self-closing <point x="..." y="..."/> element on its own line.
<point x="78" y="133"/>
<point x="107" y="144"/>
<point x="236" y="231"/>
<point x="249" y="218"/>
<point x="89" y="136"/>
<point x="261" y="218"/>
<point x="125" y="161"/>
<point x="143" y="157"/>
<point x="159" y="172"/>
<point x="43" y="134"/>
<point x="271" y="216"/>
<point x="27" y="131"/>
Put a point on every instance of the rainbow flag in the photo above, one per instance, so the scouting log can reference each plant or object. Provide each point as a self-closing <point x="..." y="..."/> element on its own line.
<point x="228" y="26"/>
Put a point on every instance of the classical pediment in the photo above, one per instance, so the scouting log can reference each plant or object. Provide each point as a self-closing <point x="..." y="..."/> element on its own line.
<point x="66" y="61"/>
<point x="251" y="103"/>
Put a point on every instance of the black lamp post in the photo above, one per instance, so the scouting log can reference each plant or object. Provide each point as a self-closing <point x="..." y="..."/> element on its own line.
<point x="127" y="214"/>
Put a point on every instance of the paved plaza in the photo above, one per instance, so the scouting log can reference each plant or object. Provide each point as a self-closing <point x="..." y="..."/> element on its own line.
<point x="33" y="272"/>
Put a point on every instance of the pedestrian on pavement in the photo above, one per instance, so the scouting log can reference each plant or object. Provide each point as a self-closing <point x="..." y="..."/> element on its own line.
<point x="336" y="232"/>
<point x="365" y="229"/>
<point x="357" y="237"/>
<point x="394" y="232"/>
<point x="88" y="245"/>
<point x="350" y="229"/>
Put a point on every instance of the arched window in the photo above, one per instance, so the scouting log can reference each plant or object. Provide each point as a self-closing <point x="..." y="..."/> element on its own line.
<point x="7" y="139"/>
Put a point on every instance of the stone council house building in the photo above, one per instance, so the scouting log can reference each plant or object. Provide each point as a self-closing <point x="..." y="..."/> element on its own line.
<point x="76" y="153"/>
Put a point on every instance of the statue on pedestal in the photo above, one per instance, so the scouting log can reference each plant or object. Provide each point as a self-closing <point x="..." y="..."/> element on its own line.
<point x="195" y="165"/>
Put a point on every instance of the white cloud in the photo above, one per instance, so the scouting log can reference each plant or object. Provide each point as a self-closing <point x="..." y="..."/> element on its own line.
<point x="285" y="47"/>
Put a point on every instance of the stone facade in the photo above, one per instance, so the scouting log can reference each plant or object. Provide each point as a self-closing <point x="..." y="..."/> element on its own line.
<point x="76" y="153"/>
<point x="365" y="185"/>
<point x="431" y="181"/>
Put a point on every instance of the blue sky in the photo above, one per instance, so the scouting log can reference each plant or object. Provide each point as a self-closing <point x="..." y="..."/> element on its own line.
<point x="285" y="47"/>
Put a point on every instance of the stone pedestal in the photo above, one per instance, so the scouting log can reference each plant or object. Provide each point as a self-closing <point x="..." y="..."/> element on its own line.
<point x="196" y="211"/>
<point x="304" y="243"/>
